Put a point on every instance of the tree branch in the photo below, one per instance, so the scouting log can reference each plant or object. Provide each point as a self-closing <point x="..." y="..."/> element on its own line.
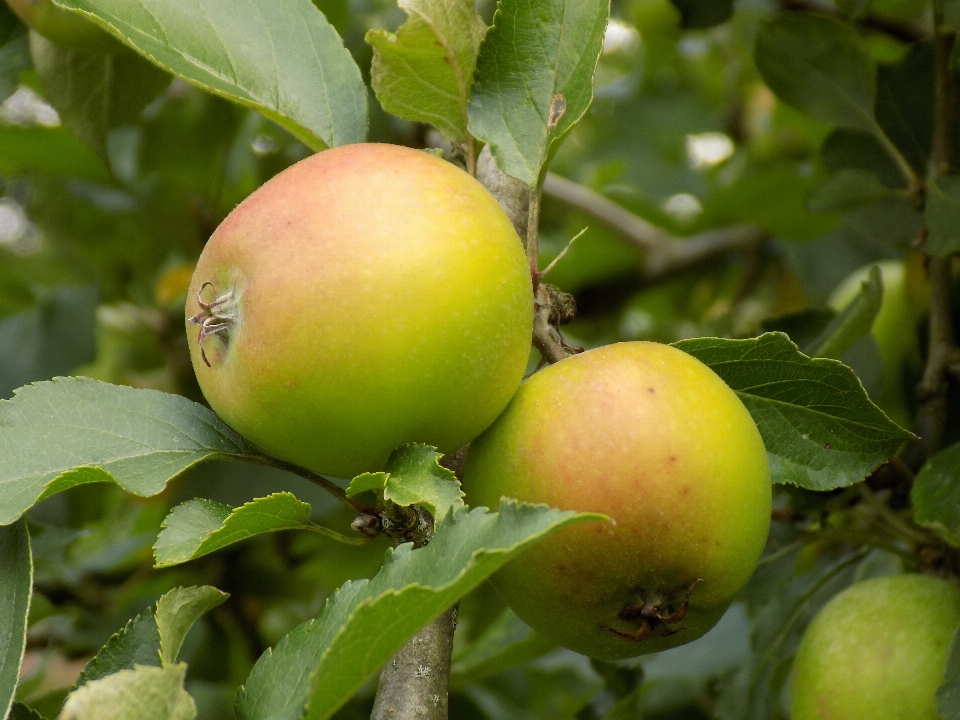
<point x="665" y="254"/>
<point x="413" y="685"/>
<point x="931" y="416"/>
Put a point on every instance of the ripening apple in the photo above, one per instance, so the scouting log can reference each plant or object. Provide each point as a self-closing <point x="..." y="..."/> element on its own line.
<point x="877" y="651"/>
<point x="654" y="439"/>
<point x="63" y="27"/>
<point x="366" y="297"/>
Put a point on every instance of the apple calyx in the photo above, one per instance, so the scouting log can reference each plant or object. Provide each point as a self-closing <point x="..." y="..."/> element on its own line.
<point x="653" y="614"/>
<point x="214" y="318"/>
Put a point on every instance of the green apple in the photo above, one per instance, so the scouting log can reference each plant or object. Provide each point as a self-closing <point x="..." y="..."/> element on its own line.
<point x="654" y="439"/>
<point x="63" y="27"/>
<point x="877" y="651"/>
<point x="904" y="301"/>
<point x="366" y="297"/>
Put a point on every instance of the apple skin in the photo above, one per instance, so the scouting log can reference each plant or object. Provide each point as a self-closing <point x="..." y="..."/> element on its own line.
<point x="654" y="439"/>
<point x="63" y="27"/>
<point x="877" y="651"/>
<point x="382" y="297"/>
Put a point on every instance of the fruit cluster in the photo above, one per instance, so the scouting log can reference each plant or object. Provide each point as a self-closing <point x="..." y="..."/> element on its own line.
<point x="373" y="295"/>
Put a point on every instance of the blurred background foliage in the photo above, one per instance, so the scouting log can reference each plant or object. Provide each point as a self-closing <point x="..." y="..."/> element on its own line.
<point x="97" y="248"/>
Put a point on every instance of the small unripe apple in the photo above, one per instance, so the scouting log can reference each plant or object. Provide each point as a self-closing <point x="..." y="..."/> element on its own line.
<point x="895" y="327"/>
<point x="63" y="27"/>
<point x="877" y="651"/>
<point x="366" y="297"/>
<point x="654" y="439"/>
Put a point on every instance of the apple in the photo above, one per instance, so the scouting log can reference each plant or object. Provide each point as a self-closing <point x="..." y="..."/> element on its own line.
<point x="895" y="327"/>
<point x="63" y="27"/>
<point x="366" y="297"/>
<point x="652" y="438"/>
<point x="877" y="651"/>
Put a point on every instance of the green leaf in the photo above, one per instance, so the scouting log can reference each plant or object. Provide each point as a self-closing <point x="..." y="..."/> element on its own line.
<point x="848" y="188"/>
<point x="16" y="581"/>
<point x="820" y="429"/>
<point x="136" y="644"/>
<point x="820" y="66"/>
<point x="948" y="695"/>
<point x="19" y="711"/>
<point x="507" y="643"/>
<point x="281" y="57"/>
<point x="95" y="92"/>
<point x="14" y="51"/>
<point x="154" y="637"/>
<point x="854" y="322"/>
<point x="200" y="526"/>
<point x="54" y="151"/>
<point x="144" y="693"/>
<point x="424" y="72"/>
<point x="414" y="476"/>
<point x="66" y="432"/>
<point x="943" y="216"/>
<point x="323" y="662"/>
<point x="177" y="611"/>
<point x="53" y="338"/>
<point x="936" y="494"/>
<point x="534" y="79"/>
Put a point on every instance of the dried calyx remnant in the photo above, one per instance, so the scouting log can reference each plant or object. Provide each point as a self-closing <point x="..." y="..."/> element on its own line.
<point x="653" y="614"/>
<point x="214" y="318"/>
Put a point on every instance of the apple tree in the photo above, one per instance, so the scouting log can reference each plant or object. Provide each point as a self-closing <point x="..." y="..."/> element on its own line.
<point x="494" y="359"/>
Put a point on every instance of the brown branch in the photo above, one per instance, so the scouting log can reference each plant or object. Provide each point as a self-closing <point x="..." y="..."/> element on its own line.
<point x="931" y="419"/>
<point x="665" y="254"/>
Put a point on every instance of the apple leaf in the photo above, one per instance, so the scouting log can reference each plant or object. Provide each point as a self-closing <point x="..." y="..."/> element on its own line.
<point x="849" y="188"/>
<point x="936" y="494"/>
<point x="853" y="322"/>
<point x="51" y="338"/>
<point x="414" y="476"/>
<point x="819" y="65"/>
<point x="200" y="526"/>
<point x="95" y="92"/>
<point x="281" y="57"/>
<point x="154" y="637"/>
<point x="14" y="51"/>
<point x="322" y="663"/>
<point x="178" y="610"/>
<point x="820" y="429"/>
<point x="424" y="71"/>
<point x="507" y="643"/>
<point x="943" y="211"/>
<point x="16" y="581"/>
<point x="534" y="79"/>
<point x="143" y="693"/>
<point x="19" y="711"/>
<point x="948" y="695"/>
<point x="69" y="431"/>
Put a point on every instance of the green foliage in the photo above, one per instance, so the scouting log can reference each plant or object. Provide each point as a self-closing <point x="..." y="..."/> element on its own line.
<point x="936" y="494"/>
<point x="820" y="428"/>
<point x="16" y="582"/>
<point x="95" y="92"/>
<point x="943" y="206"/>
<point x="948" y="696"/>
<point x="535" y="79"/>
<point x="330" y="657"/>
<point x="142" y="693"/>
<point x="289" y="62"/>
<point x="425" y="71"/>
<point x="56" y="435"/>
<point x="853" y="322"/>
<point x="413" y="476"/>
